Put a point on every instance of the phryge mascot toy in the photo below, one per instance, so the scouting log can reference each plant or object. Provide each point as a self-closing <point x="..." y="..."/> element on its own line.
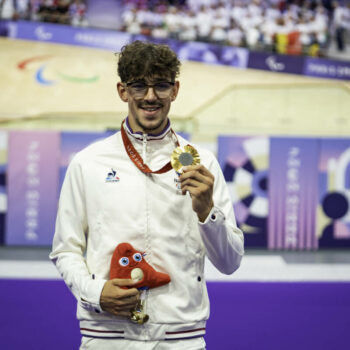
<point x="127" y="262"/>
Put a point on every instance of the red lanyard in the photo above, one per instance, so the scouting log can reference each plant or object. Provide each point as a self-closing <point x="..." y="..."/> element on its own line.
<point x="136" y="158"/>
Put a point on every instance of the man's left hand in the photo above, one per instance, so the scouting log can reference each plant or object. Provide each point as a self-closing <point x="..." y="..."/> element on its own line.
<point x="199" y="182"/>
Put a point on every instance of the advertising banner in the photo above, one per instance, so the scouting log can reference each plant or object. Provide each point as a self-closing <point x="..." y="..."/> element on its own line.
<point x="245" y="162"/>
<point x="114" y="41"/>
<point x="64" y="34"/>
<point x="212" y="54"/>
<point x="276" y="63"/>
<point x="316" y="67"/>
<point x="4" y="27"/>
<point x="293" y="193"/>
<point x="187" y="50"/>
<point x="203" y="52"/>
<point x="234" y="56"/>
<point x="333" y="211"/>
<point x="33" y="162"/>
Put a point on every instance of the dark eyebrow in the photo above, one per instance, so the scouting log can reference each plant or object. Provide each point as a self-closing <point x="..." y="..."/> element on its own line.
<point x="156" y="81"/>
<point x="161" y="80"/>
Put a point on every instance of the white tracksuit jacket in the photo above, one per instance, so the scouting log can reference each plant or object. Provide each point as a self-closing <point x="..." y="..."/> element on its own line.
<point x="95" y="214"/>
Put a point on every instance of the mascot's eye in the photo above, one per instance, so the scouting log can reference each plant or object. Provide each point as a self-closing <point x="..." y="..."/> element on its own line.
<point x="137" y="257"/>
<point x="124" y="261"/>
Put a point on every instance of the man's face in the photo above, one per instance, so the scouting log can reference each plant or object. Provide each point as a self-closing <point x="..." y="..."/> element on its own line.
<point x="148" y="106"/>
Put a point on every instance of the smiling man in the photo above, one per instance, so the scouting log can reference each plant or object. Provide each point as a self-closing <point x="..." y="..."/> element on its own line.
<point x="149" y="102"/>
<point x="148" y="90"/>
<point x="123" y="192"/>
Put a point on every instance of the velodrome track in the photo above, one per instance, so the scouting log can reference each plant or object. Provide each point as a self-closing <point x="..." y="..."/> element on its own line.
<point x="290" y="300"/>
<point x="46" y="85"/>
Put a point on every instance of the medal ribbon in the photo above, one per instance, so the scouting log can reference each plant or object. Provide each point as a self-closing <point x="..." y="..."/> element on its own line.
<point x="137" y="159"/>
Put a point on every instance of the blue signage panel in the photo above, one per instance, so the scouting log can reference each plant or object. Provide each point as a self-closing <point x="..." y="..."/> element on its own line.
<point x="64" y="34"/>
<point x="316" y="67"/>
<point x="276" y="63"/>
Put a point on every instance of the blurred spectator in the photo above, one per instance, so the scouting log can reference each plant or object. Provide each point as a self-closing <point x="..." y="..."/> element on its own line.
<point x="55" y="11"/>
<point x="319" y="26"/>
<point x="188" y="27"/>
<point x="33" y="10"/>
<point x="77" y="12"/>
<point x="235" y="36"/>
<point x="8" y="9"/>
<point x="238" y="11"/>
<point x="172" y="21"/>
<point x="341" y="22"/>
<point x="204" y="24"/>
<point x="304" y="28"/>
<point x="219" y="26"/>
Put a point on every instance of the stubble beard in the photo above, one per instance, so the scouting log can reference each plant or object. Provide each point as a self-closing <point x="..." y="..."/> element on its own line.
<point x="147" y="129"/>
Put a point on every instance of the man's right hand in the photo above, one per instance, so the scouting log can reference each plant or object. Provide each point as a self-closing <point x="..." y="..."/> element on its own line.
<point x="119" y="301"/>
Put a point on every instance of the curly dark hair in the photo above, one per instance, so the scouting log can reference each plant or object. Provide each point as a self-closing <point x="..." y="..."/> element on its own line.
<point x="143" y="59"/>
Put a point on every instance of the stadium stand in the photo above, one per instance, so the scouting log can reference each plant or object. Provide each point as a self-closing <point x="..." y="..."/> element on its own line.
<point x="293" y="27"/>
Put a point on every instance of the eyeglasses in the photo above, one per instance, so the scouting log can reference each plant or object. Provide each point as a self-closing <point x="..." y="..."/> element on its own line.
<point x="139" y="89"/>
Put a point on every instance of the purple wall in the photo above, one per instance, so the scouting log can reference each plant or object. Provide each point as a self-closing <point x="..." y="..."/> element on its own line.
<point x="37" y="315"/>
<point x="244" y="315"/>
<point x="276" y="316"/>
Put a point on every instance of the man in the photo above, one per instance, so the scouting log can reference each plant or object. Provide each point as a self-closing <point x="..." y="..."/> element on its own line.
<point x="122" y="189"/>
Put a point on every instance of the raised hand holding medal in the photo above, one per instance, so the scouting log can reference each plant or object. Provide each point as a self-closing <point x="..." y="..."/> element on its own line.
<point x="195" y="179"/>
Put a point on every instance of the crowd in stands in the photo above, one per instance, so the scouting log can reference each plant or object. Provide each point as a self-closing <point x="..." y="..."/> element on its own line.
<point x="55" y="11"/>
<point x="293" y="27"/>
<point x="283" y="26"/>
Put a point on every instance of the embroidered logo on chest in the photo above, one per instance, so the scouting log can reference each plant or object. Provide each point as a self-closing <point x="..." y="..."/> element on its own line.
<point x="112" y="176"/>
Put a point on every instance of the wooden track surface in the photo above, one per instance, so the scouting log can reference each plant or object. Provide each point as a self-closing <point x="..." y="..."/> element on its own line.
<point x="68" y="87"/>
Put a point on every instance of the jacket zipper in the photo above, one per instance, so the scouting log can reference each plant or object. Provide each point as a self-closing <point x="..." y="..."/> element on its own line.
<point x="144" y="147"/>
<point x="147" y="237"/>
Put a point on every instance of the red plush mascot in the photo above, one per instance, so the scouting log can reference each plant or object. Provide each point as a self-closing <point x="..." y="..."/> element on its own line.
<point x="127" y="262"/>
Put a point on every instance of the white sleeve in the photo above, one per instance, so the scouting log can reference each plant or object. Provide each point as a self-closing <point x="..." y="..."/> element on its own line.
<point x="222" y="238"/>
<point x="69" y="243"/>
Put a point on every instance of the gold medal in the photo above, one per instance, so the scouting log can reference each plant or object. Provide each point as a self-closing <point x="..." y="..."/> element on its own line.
<point x="138" y="315"/>
<point x="184" y="156"/>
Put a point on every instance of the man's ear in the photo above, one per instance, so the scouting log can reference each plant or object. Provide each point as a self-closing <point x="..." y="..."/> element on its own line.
<point x="175" y="91"/>
<point x="123" y="94"/>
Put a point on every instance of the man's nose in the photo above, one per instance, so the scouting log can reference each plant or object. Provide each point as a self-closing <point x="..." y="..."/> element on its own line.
<point x="150" y="94"/>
